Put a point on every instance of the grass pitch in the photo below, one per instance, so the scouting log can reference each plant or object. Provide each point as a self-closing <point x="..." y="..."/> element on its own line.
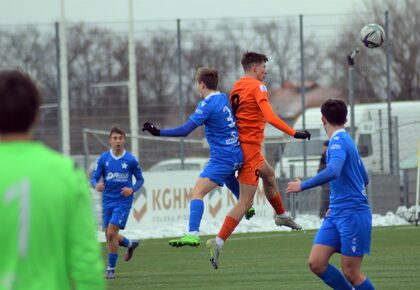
<point x="275" y="260"/>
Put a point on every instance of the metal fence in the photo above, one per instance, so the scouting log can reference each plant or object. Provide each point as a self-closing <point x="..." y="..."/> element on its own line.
<point x="307" y="63"/>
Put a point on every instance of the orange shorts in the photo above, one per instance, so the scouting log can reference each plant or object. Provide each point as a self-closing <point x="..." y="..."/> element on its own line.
<point x="249" y="173"/>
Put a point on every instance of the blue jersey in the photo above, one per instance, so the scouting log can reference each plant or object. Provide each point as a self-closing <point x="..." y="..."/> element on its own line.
<point x="117" y="173"/>
<point x="348" y="188"/>
<point x="215" y="112"/>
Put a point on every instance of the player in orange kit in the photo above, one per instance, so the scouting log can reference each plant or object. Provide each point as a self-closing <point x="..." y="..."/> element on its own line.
<point x="252" y="109"/>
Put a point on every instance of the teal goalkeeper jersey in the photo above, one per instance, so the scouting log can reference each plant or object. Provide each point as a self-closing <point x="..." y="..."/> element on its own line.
<point x="48" y="234"/>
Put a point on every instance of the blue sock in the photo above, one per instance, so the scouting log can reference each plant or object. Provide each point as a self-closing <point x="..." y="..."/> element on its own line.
<point x="366" y="285"/>
<point x="112" y="260"/>
<point x="125" y="242"/>
<point x="335" y="279"/>
<point x="196" y="213"/>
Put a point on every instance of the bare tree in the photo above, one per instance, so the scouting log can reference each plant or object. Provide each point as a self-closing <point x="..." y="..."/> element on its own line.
<point x="157" y="74"/>
<point x="404" y="42"/>
<point x="370" y="69"/>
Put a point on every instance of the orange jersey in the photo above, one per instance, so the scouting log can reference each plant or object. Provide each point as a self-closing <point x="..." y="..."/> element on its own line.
<point x="249" y="99"/>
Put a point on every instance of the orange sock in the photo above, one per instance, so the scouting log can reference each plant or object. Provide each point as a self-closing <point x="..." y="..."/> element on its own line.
<point x="228" y="227"/>
<point x="277" y="204"/>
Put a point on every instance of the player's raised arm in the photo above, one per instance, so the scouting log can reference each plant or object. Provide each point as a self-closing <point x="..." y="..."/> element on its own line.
<point x="181" y="131"/>
<point x="274" y="120"/>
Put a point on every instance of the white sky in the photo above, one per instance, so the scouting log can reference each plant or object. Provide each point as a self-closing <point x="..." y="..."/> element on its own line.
<point x="47" y="11"/>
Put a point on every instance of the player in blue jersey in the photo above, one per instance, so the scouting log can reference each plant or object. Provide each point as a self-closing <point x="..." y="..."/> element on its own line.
<point x="215" y="113"/>
<point x="117" y="167"/>
<point x="347" y="226"/>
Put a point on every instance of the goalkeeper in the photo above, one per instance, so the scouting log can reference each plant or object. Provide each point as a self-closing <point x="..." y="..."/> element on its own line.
<point x="48" y="235"/>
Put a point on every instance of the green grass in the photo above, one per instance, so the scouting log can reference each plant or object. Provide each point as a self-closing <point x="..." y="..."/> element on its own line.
<point x="276" y="260"/>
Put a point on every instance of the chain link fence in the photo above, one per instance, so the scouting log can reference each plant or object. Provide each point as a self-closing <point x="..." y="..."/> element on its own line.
<point x="307" y="65"/>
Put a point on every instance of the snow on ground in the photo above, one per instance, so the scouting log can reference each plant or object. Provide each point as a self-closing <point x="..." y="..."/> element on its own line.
<point x="258" y="224"/>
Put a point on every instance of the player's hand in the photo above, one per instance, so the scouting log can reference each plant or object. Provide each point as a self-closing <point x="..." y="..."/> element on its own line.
<point x="126" y="191"/>
<point x="294" y="186"/>
<point x="100" y="186"/>
<point x="302" y="135"/>
<point x="152" y="129"/>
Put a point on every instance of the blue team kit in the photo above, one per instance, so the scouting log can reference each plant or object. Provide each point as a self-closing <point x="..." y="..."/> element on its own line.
<point x="215" y="112"/>
<point x="117" y="173"/>
<point x="348" y="225"/>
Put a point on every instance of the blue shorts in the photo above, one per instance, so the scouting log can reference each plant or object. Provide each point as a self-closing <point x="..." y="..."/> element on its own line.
<point x="349" y="233"/>
<point x="116" y="214"/>
<point x="220" y="171"/>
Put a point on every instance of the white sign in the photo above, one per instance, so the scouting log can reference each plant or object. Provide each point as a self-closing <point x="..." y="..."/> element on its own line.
<point x="165" y="198"/>
<point x="367" y="127"/>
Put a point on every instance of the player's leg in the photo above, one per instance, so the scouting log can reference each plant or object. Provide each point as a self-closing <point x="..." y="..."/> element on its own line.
<point x="233" y="184"/>
<point x="117" y="222"/>
<point x="326" y="243"/>
<point x="248" y="177"/>
<point x="112" y="238"/>
<point x="272" y="194"/>
<point x="351" y="267"/>
<point x="106" y="218"/>
<point x="355" y="234"/>
<point x="201" y="188"/>
<point x="231" y="221"/>
<point x="130" y="244"/>
<point x="119" y="219"/>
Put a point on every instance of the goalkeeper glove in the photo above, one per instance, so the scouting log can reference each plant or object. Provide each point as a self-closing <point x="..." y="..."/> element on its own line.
<point x="151" y="128"/>
<point x="302" y="135"/>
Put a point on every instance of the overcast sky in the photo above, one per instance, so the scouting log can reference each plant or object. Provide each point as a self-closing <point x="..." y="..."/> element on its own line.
<point x="47" y="11"/>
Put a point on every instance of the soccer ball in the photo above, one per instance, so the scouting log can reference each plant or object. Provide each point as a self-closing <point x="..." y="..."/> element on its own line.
<point x="372" y="35"/>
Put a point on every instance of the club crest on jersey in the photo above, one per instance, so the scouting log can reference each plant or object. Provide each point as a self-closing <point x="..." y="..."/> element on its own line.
<point x="263" y="88"/>
<point x="124" y="165"/>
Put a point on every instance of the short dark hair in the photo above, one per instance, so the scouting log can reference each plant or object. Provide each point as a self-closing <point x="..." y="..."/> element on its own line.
<point x="117" y="130"/>
<point x="209" y="76"/>
<point x="19" y="102"/>
<point x="335" y="111"/>
<point x="250" y="57"/>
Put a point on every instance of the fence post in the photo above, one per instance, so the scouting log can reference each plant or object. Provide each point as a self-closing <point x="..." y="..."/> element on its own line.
<point x="64" y="85"/>
<point x="405" y="196"/>
<point x="370" y="191"/>
<point x="132" y="88"/>
<point x="86" y="149"/>
<point x="417" y="188"/>
<point x="350" y="62"/>
<point x="57" y="51"/>
<point x="381" y="140"/>
<point x="397" y="147"/>
<point x="293" y="195"/>
<point x="302" y="91"/>
<point x="181" y="97"/>
<point x="388" y="90"/>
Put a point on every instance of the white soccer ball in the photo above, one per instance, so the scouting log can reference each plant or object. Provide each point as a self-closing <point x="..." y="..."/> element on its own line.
<point x="372" y="35"/>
